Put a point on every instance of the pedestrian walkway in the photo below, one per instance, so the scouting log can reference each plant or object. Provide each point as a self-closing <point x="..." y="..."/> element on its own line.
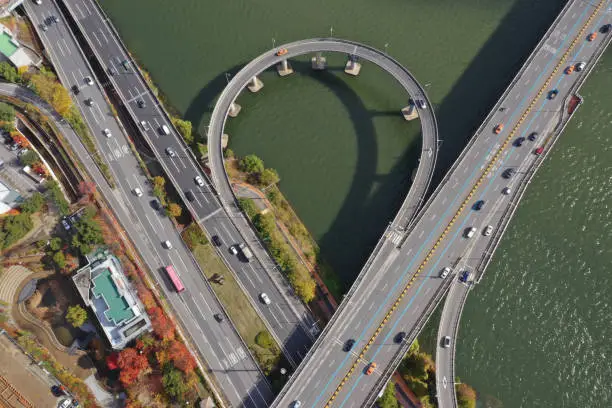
<point x="12" y="277"/>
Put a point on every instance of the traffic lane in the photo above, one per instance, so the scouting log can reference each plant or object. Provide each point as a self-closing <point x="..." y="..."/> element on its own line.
<point x="459" y="231"/>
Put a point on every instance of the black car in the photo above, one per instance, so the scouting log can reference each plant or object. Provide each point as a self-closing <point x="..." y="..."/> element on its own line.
<point x="465" y="275"/>
<point x="399" y="337"/>
<point x="553" y="94"/>
<point x="218" y="317"/>
<point x="156" y="205"/>
<point x="189" y="195"/>
<point x="508" y="173"/>
<point x="57" y="391"/>
<point x="75" y="89"/>
<point x="216" y="240"/>
<point x="605" y="28"/>
<point x="533" y="136"/>
<point x="519" y="142"/>
<point x="348" y="346"/>
<point x="141" y="103"/>
<point x="478" y="205"/>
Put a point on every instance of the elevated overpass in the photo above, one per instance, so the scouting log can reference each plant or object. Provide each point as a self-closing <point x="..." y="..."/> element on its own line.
<point x="398" y="288"/>
<point x="458" y="293"/>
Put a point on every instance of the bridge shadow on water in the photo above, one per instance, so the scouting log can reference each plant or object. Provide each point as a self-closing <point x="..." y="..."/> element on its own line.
<point x="364" y="216"/>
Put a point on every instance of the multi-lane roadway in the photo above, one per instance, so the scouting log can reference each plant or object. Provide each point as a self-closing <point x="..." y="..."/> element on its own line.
<point x="395" y="296"/>
<point x="288" y="319"/>
<point x="226" y="354"/>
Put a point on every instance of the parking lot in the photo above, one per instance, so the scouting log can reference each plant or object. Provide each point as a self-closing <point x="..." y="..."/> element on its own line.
<point x="11" y="174"/>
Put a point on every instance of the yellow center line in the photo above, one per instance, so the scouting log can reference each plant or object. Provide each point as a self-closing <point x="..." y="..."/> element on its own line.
<point x="464" y="203"/>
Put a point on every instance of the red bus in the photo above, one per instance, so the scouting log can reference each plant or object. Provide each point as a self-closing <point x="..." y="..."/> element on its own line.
<point x="176" y="281"/>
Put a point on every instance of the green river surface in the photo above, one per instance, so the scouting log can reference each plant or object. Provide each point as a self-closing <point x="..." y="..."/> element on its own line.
<point x="534" y="332"/>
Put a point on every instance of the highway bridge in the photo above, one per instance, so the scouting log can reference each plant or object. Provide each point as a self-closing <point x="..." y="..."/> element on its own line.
<point x="565" y="105"/>
<point x="355" y="51"/>
<point x="396" y="292"/>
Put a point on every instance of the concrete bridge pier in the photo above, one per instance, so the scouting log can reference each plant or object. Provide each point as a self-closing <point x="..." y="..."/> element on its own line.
<point x="234" y="110"/>
<point x="284" y="68"/>
<point x="255" y="84"/>
<point x="353" y="67"/>
<point x="410" y="112"/>
<point x="319" y="62"/>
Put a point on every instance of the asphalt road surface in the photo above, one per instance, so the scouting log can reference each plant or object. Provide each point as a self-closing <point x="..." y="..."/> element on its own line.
<point x="288" y="319"/>
<point x="399" y="286"/>
<point x="226" y="355"/>
<point x="453" y="305"/>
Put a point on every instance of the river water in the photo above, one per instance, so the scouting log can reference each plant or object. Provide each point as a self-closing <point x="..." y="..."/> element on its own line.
<point x="344" y="155"/>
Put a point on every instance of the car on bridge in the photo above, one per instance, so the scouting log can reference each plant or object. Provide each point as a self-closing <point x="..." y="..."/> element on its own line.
<point x="508" y="173"/>
<point x="348" y="346"/>
<point x="487" y="231"/>
<point x="506" y="191"/>
<point x="265" y="298"/>
<point x="553" y="94"/>
<point x="569" y="70"/>
<point x="580" y="66"/>
<point x="465" y="275"/>
<point x="539" y="151"/>
<point x="592" y="36"/>
<point x="216" y="240"/>
<point x="519" y="141"/>
<point x="498" y="128"/>
<point x="533" y="136"/>
<point x="605" y="28"/>
<point x="478" y="205"/>
<point x="370" y="368"/>
<point x="469" y="232"/>
<point x="282" y="51"/>
<point x="399" y="337"/>
<point x="446" y="341"/>
<point x="445" y="272"/>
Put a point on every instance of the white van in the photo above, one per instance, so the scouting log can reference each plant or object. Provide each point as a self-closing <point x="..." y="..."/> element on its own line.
<point x="165" y="130"/>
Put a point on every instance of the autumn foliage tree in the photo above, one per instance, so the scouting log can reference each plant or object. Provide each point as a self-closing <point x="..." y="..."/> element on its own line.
<point x="132" y="364"/>
<point x="180" y="356"/>
<point x="87" y="189"/>
<point x="162" y="326"/>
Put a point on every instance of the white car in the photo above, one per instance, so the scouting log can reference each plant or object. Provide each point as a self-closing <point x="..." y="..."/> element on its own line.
<point x="89" y="102"/>
<point x="39" y="2"/>
<point x="445" y="272"/>
<point x="469" y="232"/>
<point x="138" y="192"/>
<point x="264" y="298"/>
<point x="199" y="181"/>
<point x="233" y="250"/>
<point x="487" y="231"/>
<point x="297" y="404"/>
<point x="88" y="80"/>
<point x="170" y="152"/>
<point x="107" y="132"/>
<point x="144" y="124"/>
<point x="65" y="403"/>
<point x="167" y="244"/>
<point x="506" y="191"/>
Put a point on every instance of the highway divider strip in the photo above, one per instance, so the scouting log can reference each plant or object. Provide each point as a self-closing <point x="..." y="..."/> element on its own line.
<point x="463" y="205"/>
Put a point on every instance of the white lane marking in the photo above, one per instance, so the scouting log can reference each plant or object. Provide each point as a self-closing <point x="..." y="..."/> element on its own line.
<point x="246" y="274"/>
<point x="227" y="232"/>
<point x="256" y="274"/>
<point x="282" y="313"/>
<point x="61" y="49"/>
<point x="67" y="47"/>
<point x="97" y="39"/>
<point x="210" y="215"/>
<point x="87" y="8"/>
<point x="104" y="36"/>
<point x="79" y="9"/>
<point x="76" y="81"/>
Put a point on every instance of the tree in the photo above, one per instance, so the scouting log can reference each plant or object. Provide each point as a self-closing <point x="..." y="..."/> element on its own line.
<point x="185" y="129"/>
<point x="269" y="176"/>
<point x="60" y="99"/>
<point x="29" y="158"/>
<point x="264" y="339"/>
<point x="8" y="72"/>
<point x="59" y="259"/>
<point x="57" y="197"/>
<point x="14" y="228"/>
<point x="20" y="139"/>
<point x="174" y="383"/>
<point x="76" y="315"/>
<point x="228" y="153"/>
<point x="162" y="326"/>
<point x="252" y="164"/>
<point x="180" y="356"/>
<point x="466" y="396"/>
<point x="194" y="236"/>
<point x="33" y="203"/>
<point x="248" y="206"/>
<point x="55" y="244"/>
<point x="87" y="232"/>
<point x="388" y="400"/>
<point x="174" y="210"/>
<point x="159" y="190"/>
<point x="7" y="112"/>
<point x="132" y="365"/>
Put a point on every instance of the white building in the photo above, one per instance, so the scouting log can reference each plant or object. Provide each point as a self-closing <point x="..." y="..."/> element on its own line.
<point x="6" y="6"/>
<point x="9" y="199"/>
<point x="12" y="50"/>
